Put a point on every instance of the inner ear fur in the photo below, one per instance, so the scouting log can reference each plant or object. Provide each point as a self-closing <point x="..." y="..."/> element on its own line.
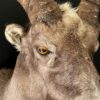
<point x="14" y="34"/>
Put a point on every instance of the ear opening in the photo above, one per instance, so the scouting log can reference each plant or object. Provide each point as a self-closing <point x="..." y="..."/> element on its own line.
<point x="14" y="34"/>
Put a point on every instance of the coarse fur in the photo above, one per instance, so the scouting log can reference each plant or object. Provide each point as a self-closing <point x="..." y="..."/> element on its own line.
<point x="87" y="32"/>
<point x="89" y="11"/>
<point x="5" y="76"/>
<point x="66" y="72"/>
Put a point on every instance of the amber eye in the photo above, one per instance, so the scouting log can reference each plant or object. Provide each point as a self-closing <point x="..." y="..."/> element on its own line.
<point x="43" y="50"/>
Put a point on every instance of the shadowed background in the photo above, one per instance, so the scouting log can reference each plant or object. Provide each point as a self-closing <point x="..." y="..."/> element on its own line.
<point x="12" y="12"/>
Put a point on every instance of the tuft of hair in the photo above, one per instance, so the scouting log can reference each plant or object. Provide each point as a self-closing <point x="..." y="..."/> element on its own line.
<point x="70" y="15"/>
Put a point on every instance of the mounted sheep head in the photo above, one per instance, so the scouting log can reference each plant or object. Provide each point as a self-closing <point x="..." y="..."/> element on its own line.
<point x="53" y="64"/>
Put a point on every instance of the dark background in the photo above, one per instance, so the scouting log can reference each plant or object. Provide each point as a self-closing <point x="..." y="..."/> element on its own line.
<point x="12" y="12"/>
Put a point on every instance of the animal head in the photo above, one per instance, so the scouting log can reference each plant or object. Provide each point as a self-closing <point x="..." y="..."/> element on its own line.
<point x="50" y="34"/>
<point x="53" y="32"/>
<point x="53" y="51"/>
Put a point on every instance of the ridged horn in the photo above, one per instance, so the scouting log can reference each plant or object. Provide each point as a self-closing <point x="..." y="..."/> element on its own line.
<point x="24" y="4"/>
<point x="89" y="12"/>
<point x="40" y="9"/>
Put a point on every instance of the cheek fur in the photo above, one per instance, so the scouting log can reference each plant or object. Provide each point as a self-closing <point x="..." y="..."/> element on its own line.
<point x="47" y="60"/>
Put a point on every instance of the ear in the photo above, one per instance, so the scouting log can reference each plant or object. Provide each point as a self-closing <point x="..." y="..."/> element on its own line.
<point x="14" y="34"/>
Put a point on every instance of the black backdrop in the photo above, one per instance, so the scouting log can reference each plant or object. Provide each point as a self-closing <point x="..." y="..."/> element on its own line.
<point x="12" y="12"/>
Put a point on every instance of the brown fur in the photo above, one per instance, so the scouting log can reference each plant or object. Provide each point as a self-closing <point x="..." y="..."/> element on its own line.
<point x="88" y="11"/>
<point x="89" y="29"/>
<point x="5" y="75"/>
<point x="66" y="73"/>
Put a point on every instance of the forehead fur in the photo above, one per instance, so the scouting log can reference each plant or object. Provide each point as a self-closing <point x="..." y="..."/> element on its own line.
<point x="56" y="34"/>
<point x="58" y="30"/>
<point x="55" y="28"/>
<point x="44" y="10"/>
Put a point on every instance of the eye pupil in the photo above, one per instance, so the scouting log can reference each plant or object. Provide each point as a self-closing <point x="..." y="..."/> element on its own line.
<point x="43" y="50"/>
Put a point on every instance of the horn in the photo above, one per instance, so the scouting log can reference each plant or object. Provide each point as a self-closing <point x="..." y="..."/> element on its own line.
<point x="24" y="4"/>
<point x="89" y="12"/>
<point x="39" y="8"/>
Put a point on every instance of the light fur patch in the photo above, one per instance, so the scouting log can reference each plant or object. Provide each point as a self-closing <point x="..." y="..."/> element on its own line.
<point x="70" y="16"/>
<point x="13" y="34"/>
